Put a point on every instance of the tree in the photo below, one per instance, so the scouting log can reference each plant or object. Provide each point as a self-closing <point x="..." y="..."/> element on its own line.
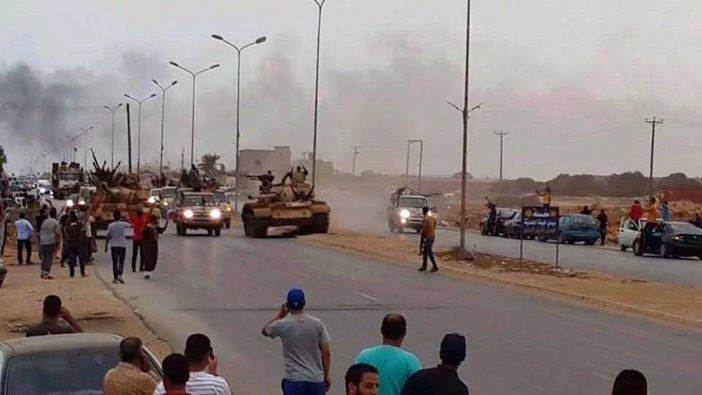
<point x="208" y="165"/>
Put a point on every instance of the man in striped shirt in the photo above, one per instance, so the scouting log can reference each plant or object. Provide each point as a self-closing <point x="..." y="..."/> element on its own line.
<point x="203" y="369"/>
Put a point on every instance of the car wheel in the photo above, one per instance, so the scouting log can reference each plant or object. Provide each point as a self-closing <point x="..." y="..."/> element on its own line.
<point x="210" y="232"/>
<point x="562" y="238"/>
<point x="622" y="248"/>
<point x="637" y="248"/>
<point x="590" y="242"/>
<point x="218" y="232"/>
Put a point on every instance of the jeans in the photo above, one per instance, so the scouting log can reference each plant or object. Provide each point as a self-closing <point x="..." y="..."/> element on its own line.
<point x="26" y="244"/>
<point x="137" y="249"/>
<point x="603" y="236"/>
<point x="76" y="254"/>
<point x="428" y="253"/>
<point x="118" y="256"/>
<point x="64" y="250"/>
<point x="47" y="257"/>
<point x="302" y="388"/>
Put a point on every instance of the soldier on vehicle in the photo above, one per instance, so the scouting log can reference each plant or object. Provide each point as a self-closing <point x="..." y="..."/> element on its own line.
<point x="297" y="177"/>
<point x="266" y="181"/>
<point x="545" y="196"/>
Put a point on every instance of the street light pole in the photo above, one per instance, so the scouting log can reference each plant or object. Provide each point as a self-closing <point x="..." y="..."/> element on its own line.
<point x="139" y="102"/>
<point x="238" y="102"/>
<point x="85" y="147"/>
<point x="653" y="122"/>
<point x="501" y="134"/>
<point x="421" y="154"/>
<point x="320" y="4"/>
<point x="163" y="115"/>
<point x="192" y="125"/>
<point x="112" y="155"/>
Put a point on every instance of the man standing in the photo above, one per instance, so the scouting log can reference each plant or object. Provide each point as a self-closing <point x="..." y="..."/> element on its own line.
<point x="138" y="221"/>
<point x="49" y="240"/>
<point x="38" y="220"/>
<point x="75" y="241"/>
<point x="602" y="217"/>
<point x="56" y="320"/>
<point x="202" y="364"/>
<point x="426" y="242"/>
<point x="117" y="241"/>
<point x="131" y="376"/>
<point x="361" y="379"/>
<point x="665" y="211"/>
<point x="635" y="211"/>
<point x="24" y="233"/>
<point x="443" y="379"/>
<point x="305" y="347"/>
<point x="545" y="196"/>
<point x="394" y="364"/>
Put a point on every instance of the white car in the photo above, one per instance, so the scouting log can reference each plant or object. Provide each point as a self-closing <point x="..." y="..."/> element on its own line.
<point x="628" y="231"/>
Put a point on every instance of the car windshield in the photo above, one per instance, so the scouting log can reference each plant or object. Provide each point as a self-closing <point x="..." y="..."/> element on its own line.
<point x="685" y="228"/>
<point x="414" y="202"/>
<point x="198" y="200"/>
<point x="583" y="220"/>
<point x="168" y="193"/>
<point x="220" y="197"/>
<point x="506" y="213"/>
<point x="67" y="372"/>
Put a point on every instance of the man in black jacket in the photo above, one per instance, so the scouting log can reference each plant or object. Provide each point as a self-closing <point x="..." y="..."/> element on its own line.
<point x="443" y="379"/>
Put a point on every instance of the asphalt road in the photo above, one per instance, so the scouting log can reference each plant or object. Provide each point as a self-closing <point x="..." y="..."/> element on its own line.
<point x="519" y="343"/>
<point x="368" y="215"/>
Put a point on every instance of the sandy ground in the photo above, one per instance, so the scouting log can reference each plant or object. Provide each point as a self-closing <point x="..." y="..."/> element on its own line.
<point x="664" y="301"/>
<point x="91" y="302"/>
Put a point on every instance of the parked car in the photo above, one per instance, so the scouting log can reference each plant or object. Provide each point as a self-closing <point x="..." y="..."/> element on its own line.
<point x="502" y="215"/>
<point x="61" y="364"/>
<point x="671" y="240"/>
<point x="628" y="231"/>
<point x="513" y="227"/>
<point x="573" y="228"/>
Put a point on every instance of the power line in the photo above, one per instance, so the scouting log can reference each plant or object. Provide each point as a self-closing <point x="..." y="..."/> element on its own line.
<point x="501" y="134"/>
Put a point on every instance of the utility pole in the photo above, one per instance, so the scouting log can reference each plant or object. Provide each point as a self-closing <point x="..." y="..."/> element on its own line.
<point x="407" y="165"/>
<point x="355" y="154"/>
<point x="129" y="139"/>
<point x="653" y="122"/>
<point x="182" y="159"/>
<point x="501" y="134"/>
<point x="421" y="153"/>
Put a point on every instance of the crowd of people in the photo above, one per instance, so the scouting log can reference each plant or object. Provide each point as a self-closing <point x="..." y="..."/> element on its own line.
<point x="71" y="238"/>
<point x="385" y="369"/>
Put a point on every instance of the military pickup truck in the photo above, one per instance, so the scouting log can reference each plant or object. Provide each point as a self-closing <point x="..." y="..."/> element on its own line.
<point x="197" y="210"/>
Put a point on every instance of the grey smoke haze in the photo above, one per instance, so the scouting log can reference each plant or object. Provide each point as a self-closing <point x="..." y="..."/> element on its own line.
<point x="572" y="82"/>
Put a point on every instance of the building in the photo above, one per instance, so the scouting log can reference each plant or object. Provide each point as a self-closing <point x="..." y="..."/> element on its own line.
<point x="258" y="161"/>
<point x="324" y="169"/>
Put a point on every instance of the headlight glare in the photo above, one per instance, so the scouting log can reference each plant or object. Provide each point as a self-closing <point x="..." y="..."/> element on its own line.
<point x="404" y="213"/>
<point x="215" y="214"/>
<point x="188" y="213"/>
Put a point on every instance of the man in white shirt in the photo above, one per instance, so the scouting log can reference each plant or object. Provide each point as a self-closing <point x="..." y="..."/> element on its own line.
<point x="203" y="369"/>
<point x="24" y="234"/>
<point x="117" y="241"/>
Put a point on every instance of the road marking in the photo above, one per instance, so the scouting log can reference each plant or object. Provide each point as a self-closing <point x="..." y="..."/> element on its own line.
<point x="305" y="275"/>
<point x="367" y="296"/>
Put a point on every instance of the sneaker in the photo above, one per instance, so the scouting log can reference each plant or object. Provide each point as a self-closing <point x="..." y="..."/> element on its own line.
<point x="147" y="276"/>
<point x="434" y="269"/>
<point x="83" y="275"/>
<point x="422" y="269"/>
<point x="120" y="280"/>
<point x="115" y="281"/>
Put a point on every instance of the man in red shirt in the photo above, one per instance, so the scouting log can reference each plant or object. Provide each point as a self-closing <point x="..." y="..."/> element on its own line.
<point x="636" y="212"/>
<point x="138" y="222"/>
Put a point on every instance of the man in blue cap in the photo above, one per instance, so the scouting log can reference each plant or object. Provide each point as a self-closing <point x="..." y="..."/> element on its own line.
<point x="305" y="347"/>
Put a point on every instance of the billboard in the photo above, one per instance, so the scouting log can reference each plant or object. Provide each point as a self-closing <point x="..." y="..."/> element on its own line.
<point x="540" y="220"/>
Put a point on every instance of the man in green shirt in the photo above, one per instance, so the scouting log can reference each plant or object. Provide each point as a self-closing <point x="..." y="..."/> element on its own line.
<point x="395" y="365"/>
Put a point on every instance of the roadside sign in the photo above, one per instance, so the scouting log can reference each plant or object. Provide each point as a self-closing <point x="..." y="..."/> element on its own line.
<point x="539" y="221"/>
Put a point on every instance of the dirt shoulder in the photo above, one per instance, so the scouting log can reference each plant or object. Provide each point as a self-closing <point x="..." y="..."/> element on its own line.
<point x="91" y="302"/>
<point x="663" y="301"/>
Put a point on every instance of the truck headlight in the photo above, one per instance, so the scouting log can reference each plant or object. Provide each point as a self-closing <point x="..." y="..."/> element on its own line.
<point x="404" y="213"/>
<point x="403" y="221"/>
<point x="69" y="203"/>
<point x="430" y="213"/>
<point x="165" y="203"/>
<point x="81" y="202"/>
<point x="42" y="190"/>
<point x="188" y="214"/>
<point x="152" y="200"/>
<point x="229" y="208"/>
<point x="215" y="214"/>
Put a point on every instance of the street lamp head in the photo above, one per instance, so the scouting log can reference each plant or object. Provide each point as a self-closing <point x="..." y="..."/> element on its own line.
<point x="120" y="105"/>
<point x="214" y="66"/>
<point x="174" y="63"/>
<point x="129" y="97"/>
<point x="155" y="82"/>
<point x="174" y="82"/>
<point x="260" y="40"/>
<point x="217" y="37"/>
<point x="152" y="95"/>
<point x="108" y="108"/>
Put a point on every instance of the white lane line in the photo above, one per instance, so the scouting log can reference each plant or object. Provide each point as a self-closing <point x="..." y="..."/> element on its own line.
<point x="367" y="296"/>
<point x="305" y="275"/>
<point x="603" y="376"/>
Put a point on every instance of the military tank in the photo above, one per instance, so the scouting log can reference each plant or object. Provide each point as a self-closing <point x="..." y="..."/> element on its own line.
<point x="283" y="204"/>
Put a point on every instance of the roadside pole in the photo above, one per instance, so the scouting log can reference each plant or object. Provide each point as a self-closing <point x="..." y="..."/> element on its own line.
<point x="129" y="140"/>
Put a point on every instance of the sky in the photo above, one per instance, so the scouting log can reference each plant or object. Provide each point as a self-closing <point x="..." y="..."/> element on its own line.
<point x="571" y="81"/>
